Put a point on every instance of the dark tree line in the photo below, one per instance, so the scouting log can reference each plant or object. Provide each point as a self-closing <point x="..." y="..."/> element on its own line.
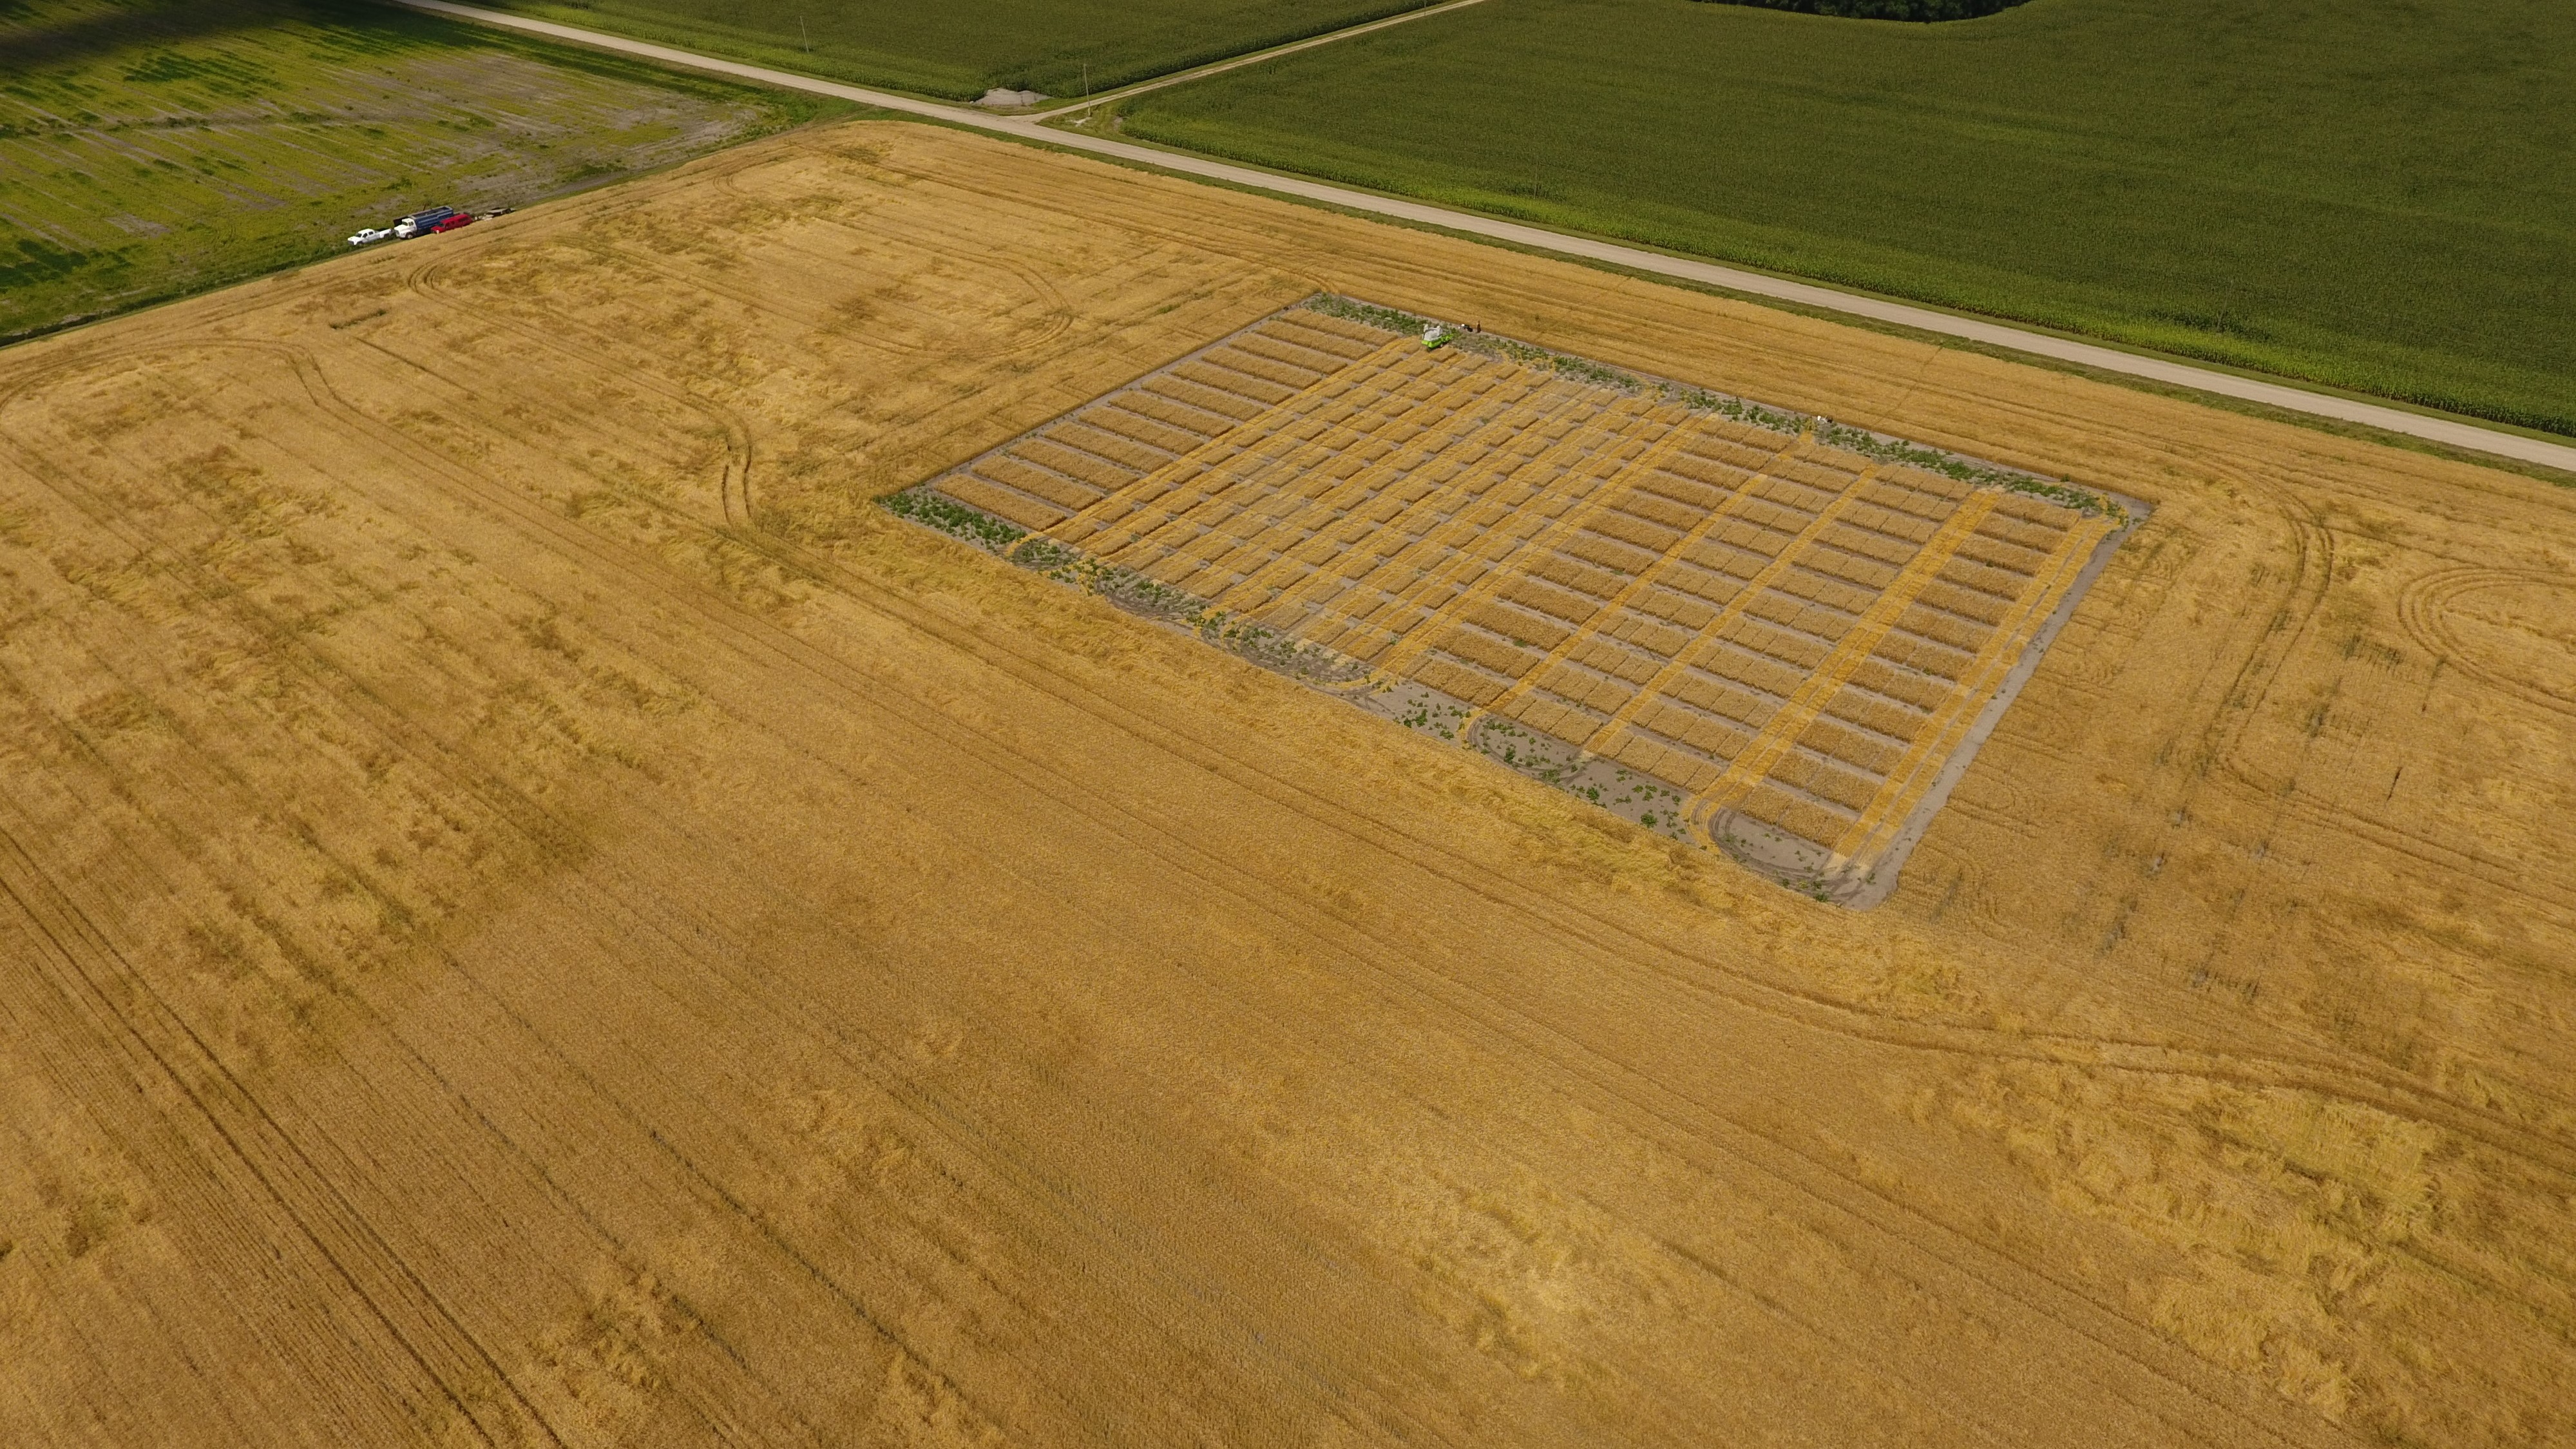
<point x="1888" y="9"/>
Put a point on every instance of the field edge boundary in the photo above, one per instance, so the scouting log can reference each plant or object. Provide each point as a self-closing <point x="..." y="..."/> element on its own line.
<point x="1761" y="288"/>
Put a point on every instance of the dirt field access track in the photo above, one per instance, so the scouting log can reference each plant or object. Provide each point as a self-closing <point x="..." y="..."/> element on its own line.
<point x="533" y="911"/>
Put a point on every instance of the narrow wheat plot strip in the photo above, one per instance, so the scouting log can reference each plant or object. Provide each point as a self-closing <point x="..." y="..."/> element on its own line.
<point x="1627" y="478"/>
<point x="1744" y="628"/>
<point x="1595" y="442"/>
<point x="1362" y="509"/>
<point x="1784" y="727"/>
<point x="1912" y="777"/>
<point x="1614" y="734"/>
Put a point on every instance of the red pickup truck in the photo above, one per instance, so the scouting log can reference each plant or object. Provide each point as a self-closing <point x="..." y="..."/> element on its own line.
<point x="451" y="223"/>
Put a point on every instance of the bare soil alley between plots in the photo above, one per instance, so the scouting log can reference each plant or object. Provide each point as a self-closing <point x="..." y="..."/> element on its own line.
<point x="1726" y="630"/>
<point x="533" y="910"/>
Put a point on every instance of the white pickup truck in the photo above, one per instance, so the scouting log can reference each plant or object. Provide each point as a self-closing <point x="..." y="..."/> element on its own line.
<point x="370" y="235"/>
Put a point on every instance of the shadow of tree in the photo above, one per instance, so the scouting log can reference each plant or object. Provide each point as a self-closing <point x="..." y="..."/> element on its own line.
<point x="29" y="40"/>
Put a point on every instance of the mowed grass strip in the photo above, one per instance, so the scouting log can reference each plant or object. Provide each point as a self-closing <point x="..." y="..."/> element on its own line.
<point x="2376" y="198"/>
<point x="153" y="149"/>
<point x="959" y="49"/>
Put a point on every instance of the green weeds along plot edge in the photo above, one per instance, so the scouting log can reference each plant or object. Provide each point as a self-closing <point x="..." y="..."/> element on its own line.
<point x="1125" y="588"/>
<point x="1876" y="446"/>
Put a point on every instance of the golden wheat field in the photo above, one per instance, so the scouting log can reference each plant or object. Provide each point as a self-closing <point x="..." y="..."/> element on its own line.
<point x="533" y="911"/>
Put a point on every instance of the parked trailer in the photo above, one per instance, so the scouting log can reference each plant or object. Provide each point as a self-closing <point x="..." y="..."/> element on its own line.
<point x="422" y="221"/>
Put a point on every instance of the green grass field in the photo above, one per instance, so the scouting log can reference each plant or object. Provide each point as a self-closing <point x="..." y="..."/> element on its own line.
<point x="961" y="48"/>
<point x="2377" y="197"/>
<point x="149" y="150"/>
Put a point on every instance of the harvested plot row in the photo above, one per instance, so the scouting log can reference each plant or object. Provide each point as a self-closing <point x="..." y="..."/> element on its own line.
<point x="1797" y="639"/>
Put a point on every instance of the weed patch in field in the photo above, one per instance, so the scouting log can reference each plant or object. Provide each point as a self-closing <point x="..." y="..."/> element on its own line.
<point x="151" y="150"/>
<point x="955" y="519"/>
<point x="1124" y="588"/>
